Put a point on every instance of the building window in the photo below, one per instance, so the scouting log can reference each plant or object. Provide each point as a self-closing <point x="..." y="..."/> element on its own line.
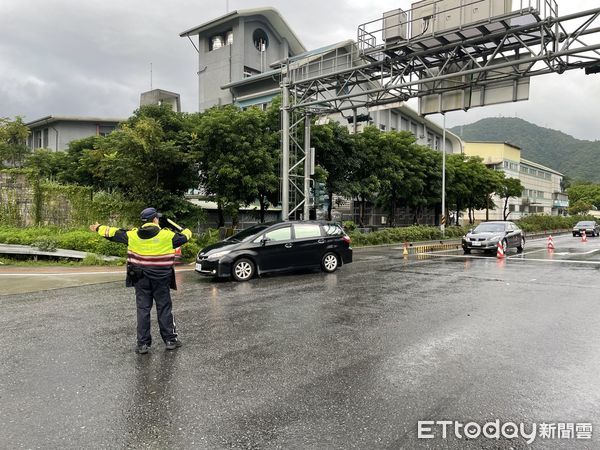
<point x="429" y="140"/>
<point x="395" y="121"/>
<point x="45" y="138"/>
<point x="105" y="130"/>
<point x="218" y="41"/>
<point x="413" y="128"/>
<point x="260" y="39"/>
<point x="249" y="72"/>
<point x="37" y="139"/>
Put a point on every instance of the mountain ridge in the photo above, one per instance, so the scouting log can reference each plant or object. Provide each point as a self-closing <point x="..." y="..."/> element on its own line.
<point x="575" y="158"/>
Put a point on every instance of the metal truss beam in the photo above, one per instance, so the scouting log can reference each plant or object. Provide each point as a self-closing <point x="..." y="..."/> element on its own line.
<point x="497" y="52"/>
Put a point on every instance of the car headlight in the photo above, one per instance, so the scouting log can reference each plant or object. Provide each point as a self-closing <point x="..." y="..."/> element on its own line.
<point x="219" y="255"/>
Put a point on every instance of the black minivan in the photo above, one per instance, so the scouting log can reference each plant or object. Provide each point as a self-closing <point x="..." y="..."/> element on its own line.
<point x="277" y="247"/>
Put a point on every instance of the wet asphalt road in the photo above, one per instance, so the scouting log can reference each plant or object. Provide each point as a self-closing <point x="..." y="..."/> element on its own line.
<point x="349" y="360"/>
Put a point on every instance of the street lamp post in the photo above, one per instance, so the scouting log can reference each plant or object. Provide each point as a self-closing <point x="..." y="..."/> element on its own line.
<point x="443" y="221"/>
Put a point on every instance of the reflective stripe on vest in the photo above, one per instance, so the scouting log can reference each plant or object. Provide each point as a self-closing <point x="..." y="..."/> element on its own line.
<point x="156" y="251"/>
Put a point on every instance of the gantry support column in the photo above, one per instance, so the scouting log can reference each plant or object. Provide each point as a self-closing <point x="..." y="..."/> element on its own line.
<point x="307" y="160"/>
<point x="285" y="150"/>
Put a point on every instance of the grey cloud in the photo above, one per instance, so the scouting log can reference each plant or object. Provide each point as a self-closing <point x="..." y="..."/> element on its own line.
<point x="93" y="58"/>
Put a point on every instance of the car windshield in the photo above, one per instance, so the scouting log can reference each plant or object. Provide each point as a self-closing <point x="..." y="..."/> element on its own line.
<point x="248" y="233"/>
<point x="489" y="228"/>
<point x="585" y="224"/>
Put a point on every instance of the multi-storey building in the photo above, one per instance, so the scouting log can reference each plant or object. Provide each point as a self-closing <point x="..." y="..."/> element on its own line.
<point x="543" y="191"/>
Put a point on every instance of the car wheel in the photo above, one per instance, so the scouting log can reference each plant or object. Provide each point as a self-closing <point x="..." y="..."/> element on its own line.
<point x="467" y="251"/>
<point x="521" y="245"/>
<point x="242" y="270"/>
<point x="330" y="262"/>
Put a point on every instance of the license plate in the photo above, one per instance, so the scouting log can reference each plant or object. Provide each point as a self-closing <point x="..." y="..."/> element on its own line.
<point x="198" y="267"/>
<point x="476" y="244"/>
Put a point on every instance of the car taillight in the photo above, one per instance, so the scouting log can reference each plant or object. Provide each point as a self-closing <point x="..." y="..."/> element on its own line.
<point x="346" y="239"/>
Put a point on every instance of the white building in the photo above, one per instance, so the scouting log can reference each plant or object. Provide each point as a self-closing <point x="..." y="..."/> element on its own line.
<point x="543" y="191"/>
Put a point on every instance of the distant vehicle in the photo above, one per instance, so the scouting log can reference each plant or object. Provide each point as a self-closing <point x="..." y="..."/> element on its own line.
<point x="590" y="227"/>
<point x="487" y="235"/>
<point x="277" y="247"/>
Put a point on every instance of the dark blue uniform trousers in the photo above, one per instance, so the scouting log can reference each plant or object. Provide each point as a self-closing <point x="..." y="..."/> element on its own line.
<point x="147" y="289"/>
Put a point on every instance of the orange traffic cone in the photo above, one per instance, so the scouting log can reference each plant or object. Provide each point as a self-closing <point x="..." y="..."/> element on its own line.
<point x="550" y="243"/>
<point x="583" y="237"/>
<point x="500" y="251"/>
<point x="405" y="251"/>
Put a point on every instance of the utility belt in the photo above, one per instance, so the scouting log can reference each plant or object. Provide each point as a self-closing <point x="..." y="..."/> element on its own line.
<point x="134" y="273"/>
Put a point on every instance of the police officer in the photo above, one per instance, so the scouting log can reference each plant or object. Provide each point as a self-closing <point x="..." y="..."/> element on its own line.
<point x="150" y="260"/>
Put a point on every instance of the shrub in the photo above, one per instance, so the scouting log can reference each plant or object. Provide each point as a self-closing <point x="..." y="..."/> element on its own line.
<point x="46" y="244"/>
<point x="349" y="226"/>
<point x="542" y="222"/>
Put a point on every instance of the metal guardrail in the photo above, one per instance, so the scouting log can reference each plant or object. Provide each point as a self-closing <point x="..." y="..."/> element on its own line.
<point x="27" y="250"/>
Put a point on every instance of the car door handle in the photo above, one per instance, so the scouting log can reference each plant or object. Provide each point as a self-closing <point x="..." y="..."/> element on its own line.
<point x="288" y="245"/>
<point x="321" y="241"/>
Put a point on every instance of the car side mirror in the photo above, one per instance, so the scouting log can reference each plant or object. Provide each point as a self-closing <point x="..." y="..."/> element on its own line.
<point x="264" y="240"/>
<point x="470" y="230"/>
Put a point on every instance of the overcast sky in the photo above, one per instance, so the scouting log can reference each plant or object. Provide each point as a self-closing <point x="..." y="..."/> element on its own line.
<point x="92" y="57"/>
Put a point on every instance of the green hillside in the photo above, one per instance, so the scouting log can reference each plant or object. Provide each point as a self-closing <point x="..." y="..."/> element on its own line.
<point x="575" y="158"/>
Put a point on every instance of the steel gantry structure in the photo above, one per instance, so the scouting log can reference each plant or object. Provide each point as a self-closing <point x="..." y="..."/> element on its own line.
<point x="439" y="52"/>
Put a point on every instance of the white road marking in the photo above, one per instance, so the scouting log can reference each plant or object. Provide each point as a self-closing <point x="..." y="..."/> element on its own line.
<point x="567" y="261"/>
<point x="71" y="273"/>
<point x="528" y="253"/>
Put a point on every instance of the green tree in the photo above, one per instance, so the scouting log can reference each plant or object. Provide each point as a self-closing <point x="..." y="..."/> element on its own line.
<point x="406" y="176"/>
<point x="47" y="163"/>
<point x="365" y="182"/>
<point x="13" y="141"/>
<point x="82" y="165"/>
<point x="458" y="184"/>
<point x="335" y="153"/>
<point x="237" y="158"/>
<point x="580" y="207"/>
<point x="138" y="160"/>
<point x="585" y="193"/>
<point x="509" y="187"/>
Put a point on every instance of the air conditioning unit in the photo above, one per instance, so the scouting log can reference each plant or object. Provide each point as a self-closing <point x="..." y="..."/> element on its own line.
<point x="395" y="25"/>
<point x="435" y="16"/>
<point x="486" y="9"/>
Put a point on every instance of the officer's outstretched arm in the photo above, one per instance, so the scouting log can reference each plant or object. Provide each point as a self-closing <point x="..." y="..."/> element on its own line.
<point x="181" y="237"/>
<point x="110" y="233"/>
